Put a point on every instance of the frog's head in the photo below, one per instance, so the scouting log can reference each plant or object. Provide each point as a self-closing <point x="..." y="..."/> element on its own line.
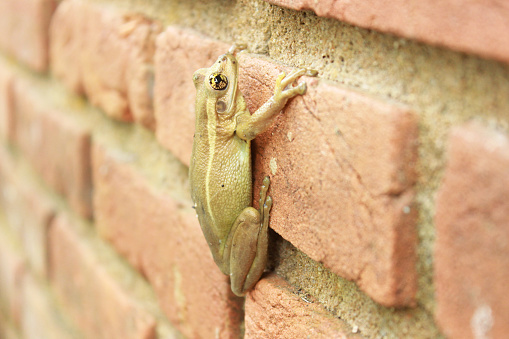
<point x="220" y="80"/>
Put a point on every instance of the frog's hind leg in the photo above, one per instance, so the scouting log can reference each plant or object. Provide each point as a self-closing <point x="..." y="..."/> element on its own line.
<point x="249" y="246"/>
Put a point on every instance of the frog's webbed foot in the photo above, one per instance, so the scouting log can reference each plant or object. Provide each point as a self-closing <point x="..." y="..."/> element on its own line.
<point x="283" y="81"/>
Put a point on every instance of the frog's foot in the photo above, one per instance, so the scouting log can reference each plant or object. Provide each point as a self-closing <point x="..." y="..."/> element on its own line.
<point x="265" y="203"/>
<point x="248" y="256"/>
<point x="237" y="47"/>
<point x="284" y="80"/>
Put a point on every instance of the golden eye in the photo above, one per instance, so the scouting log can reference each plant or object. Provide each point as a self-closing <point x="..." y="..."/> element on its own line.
<point x="218" y="81"/>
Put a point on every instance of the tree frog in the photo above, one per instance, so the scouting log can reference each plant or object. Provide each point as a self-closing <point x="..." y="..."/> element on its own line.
<point x="220" y="170"/>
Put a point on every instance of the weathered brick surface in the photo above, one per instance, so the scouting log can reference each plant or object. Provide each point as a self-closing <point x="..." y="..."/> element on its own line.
<point x="342" y="162"/>
<point x="6" y="101"/>
<point x="273" y="310"/>
<point x="107" y="55"/>
<point x="161" y="237"/>
<point x="472" y="246"/>
<point x="12" y="269"/>
<point x="28" y="212"/>
<point x="468" y="26"/>
<point x="56" y="144"/>
<point x="94" y="300"/>
<point x="24" y="30"/>
<point x="179" y="54"/>
<point x="39" y="316"/>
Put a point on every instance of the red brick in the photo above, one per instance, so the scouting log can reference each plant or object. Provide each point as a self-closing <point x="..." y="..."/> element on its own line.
<point x="12" y="269"/>
<point x="24" y="30"/>
<point x="92" y="297"/>
<point x="161" y="237"/>
<point x="468" y="26"/>
<point x="56" y="144"/>
<point x="106" y="54"/>
<point x="342" y="162"/>
<point x="39" y="316"/>
<point x="472" y="241"/>
<point x="6" y="101"/>
<point x="179" y="54"/>
<point x="273" y="310"/>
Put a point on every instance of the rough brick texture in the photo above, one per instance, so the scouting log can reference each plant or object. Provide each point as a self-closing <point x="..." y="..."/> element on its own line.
<point x="95" y="301"/>
<point x="6" y="101"/>
<point x="24" y="30"/>
<point x="162" y="238"/>
<point x="274" y="310"/>
<point x="468" y="26"/>
<point x="344" y="163"/>
<point x="107" y="55"/>
<point x="56" y="144"/>
<point x="179" y="54"/>
<point x="472" y="246"/>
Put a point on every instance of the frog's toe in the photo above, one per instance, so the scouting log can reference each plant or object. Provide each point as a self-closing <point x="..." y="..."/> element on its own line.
<point x="311" y="72"/>
<point x="302" y="88"/>
<point x="267" y="205"/>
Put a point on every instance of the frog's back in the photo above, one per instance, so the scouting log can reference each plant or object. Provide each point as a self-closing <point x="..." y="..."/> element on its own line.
<point x="220" y="178"/>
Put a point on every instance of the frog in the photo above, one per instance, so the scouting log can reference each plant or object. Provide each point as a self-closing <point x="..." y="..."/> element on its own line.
<point x="220" y="171"/>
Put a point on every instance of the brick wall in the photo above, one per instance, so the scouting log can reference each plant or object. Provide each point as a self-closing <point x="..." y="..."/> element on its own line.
<point x="389" y="176"/>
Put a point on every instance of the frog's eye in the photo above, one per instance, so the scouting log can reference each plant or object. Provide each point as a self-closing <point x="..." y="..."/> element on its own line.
<point x="218" y="81"/>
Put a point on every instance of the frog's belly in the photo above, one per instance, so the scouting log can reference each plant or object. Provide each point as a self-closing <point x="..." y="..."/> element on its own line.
<point x="221" y="189"/>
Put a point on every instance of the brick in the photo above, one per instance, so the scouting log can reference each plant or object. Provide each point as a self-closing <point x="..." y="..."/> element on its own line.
<point x="274" y="310"/>
<point x="467" y="26"/>
<point x="161" y="237"/>
<point x="179" y="54"/>
<point x="6" y="101"/>
<point x="12" y="269"/>
<point x="472" y="235"/>
<point x="343" y="162"/>
<point x="56" y="144"/>
<point x="93" y="299"/>
<point x="39" y="317"/>
<point x="107" y="55"/>
<point x="24" y="30"/>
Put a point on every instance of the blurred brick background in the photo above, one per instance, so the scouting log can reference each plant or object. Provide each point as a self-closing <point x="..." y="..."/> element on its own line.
<point x="390" y="176"/>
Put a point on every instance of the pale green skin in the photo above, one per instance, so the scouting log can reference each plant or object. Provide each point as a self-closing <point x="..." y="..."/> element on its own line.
<point x="220" y="170"/>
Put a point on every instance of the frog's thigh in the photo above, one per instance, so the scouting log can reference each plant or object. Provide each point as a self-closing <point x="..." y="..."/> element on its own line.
<point x="249" y="251"/>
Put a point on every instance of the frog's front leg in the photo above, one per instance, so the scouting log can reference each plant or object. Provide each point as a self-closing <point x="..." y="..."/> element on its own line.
<point x="249" y="126"/>
<point x="249" y="241"/>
